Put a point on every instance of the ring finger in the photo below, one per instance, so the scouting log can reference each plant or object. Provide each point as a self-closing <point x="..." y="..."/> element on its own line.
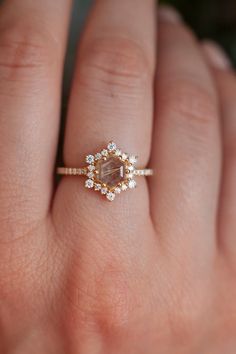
<point x="112" y="93"/>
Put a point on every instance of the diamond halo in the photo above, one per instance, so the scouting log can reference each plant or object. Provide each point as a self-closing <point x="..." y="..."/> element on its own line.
<point x="110" y="171"/>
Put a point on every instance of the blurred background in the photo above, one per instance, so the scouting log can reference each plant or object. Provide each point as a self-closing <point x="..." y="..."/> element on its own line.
<point x="214" y="19"/>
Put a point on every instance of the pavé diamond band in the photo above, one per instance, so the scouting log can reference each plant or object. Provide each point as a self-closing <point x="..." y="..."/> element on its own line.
<point x="109" y="171"/>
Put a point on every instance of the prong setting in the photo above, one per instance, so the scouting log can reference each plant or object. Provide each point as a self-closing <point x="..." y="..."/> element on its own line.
<point x="110" y="171"/>
<point x="89" y="159"/>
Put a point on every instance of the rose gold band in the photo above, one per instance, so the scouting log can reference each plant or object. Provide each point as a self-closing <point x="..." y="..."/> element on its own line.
<point x="109" y="171"/>
<point x="73" y="171"/>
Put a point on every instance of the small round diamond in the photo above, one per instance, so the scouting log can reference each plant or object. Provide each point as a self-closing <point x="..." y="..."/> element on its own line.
<point x="118" y="152"/>
<point x="110" y="196"/>
<point x="117" y="190"/>
<point x="97" y="187"/>
<point x="89" y="183"/>
<point x="124" y="156"/>
<point x="133" y="159"/>
<point x="124" y="187"/>
<point x="132" y="184"/>
<point x="98" y="156"/>
<point x="111" y="146"/>
<point x="90" y="175"/>
<point x="131" y="168"/>
<point x="104" y="190"/>
<point x="129" y="175"/>
<point x="90" y="159"/>
<point x="104" y="152"/>
<point x="91" y="168"/>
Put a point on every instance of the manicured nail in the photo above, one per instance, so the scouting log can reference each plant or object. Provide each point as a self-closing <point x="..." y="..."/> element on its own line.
<point x="216" y="55"/>
<point x="169" y="14"/>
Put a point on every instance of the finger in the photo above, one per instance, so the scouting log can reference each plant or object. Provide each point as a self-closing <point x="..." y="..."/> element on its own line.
<point x="111" y="95"/>
<point x="32" y="46"/>
<point x="226" y="83"/>
<point x="110" y="244"/>
<point x="112" y="92"/>
<point x="186" y="148"/>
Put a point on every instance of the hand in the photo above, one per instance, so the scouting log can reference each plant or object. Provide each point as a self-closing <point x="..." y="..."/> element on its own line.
<point x="154" y="271"/>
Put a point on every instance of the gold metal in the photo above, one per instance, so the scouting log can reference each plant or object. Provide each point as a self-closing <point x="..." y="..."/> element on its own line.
<point x="96" y="182"/>
<point x="144" y="172"/>
<point x="74" y="171"/>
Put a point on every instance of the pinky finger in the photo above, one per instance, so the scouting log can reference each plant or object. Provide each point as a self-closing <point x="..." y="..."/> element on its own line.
<point x="226" y="82"/>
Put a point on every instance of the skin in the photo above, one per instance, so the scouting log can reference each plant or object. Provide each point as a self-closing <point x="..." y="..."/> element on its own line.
<point x="154" y="271"/>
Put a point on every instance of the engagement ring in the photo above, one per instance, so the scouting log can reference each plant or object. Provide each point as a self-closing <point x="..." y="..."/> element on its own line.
<point x="109" y="171"/>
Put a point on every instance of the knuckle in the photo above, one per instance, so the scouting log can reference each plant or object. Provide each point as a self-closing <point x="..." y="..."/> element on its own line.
<point x="116" y="303"/>
<point x="104" y="300"/>
<point x="22" y="49"/>
<point x="114" y="65"/>
<point x="190" y="103"/>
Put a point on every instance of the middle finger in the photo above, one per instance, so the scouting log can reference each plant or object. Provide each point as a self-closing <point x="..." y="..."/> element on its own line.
<point x="187" y="142"/>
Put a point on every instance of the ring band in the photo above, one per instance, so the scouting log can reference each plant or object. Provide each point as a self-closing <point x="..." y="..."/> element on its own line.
<point x="109" y="171"/>
<point x="73" y="171"/>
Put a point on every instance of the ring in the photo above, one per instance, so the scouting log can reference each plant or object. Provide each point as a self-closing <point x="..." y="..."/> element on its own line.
<point x="109" y="171"/>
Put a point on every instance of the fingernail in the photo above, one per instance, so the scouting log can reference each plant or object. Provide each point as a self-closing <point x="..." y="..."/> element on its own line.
<point x="169" y="14"/>
<point x="216" y="55"/>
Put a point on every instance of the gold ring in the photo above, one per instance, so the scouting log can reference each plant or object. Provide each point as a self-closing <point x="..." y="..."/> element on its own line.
<point x="109" y="171"/>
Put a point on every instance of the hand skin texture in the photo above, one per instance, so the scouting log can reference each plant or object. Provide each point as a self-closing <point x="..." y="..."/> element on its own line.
<point x="154" y="271"/>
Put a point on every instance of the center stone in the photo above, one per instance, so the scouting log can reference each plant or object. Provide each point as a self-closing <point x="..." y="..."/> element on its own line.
<point x="111" y="171"/>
